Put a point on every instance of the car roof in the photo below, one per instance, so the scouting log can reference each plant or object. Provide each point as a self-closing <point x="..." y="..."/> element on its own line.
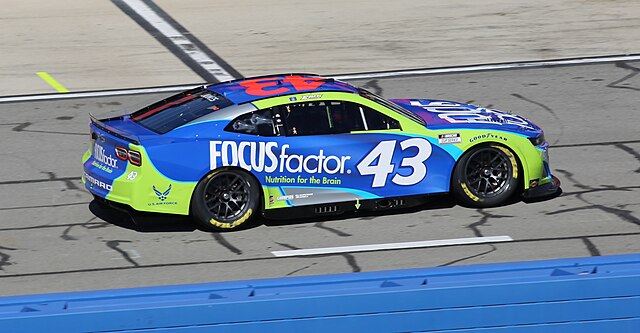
<point x="251" y="89"/>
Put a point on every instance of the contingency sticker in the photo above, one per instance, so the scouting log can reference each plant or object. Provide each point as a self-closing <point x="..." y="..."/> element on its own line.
<point x="449" y="138"/>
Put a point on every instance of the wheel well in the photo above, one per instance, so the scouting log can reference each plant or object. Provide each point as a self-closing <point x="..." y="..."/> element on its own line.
<point x="486" y="144"/>
<point x="226" y="168"/>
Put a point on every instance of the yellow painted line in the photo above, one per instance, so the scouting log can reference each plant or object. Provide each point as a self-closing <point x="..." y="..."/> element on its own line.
<point x="52" y="82"/>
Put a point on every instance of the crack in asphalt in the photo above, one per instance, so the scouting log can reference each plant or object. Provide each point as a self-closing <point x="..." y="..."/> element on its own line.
<point x="373" y="84"/>
<point x="605" y="188"/>
<point x="4" y="258"/>
<point x="300" y="269"/>
<point x="321" y="225"/>
<point x="87" y="225"/>
<point x="568" y="175"/>
<point x="65" y="234"/>
<point x="351" y="260"/>
<point x="546" y="108"/>
<point x="631" y="152"/>
<point x="67" y="182"/>
<point x="95" y="225"/>
<point x="225" y="243"/>
<point x="45" y="206"/>
<point x="493" y="248"/>
<point x="288" y="246"/>
<point x="21" y="127"/>
<point x="114" y="245"/>
<point x="623" y="214"/>
<point x="593" y="250"/>
<point x="228" y="261"/>
<point x="39" y="180"/>
<point x="634" y="72"/>
<point x="604" y="143"/>
<point x="485" y="218"/>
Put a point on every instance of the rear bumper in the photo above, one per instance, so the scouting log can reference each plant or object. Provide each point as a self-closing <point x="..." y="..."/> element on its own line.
<point x="547" y="189"/>
<point x="141" y="188"/>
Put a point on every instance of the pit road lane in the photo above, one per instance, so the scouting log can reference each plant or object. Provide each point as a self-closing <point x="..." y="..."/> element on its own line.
<point x="53" y="238"/>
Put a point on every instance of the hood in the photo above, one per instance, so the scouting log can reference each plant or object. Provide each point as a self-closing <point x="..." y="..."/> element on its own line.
<point x="441" y="114"/>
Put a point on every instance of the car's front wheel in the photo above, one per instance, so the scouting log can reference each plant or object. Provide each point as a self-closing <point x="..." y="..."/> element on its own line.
<point x="225" y="200"/>
<point x="486" y="176"/>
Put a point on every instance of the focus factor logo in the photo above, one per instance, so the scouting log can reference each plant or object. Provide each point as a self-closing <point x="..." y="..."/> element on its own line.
<point x="100" y="155"/>
<point x="270" y="157"/>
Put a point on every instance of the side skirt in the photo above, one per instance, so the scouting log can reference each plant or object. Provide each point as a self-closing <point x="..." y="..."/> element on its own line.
<point x="337" y="208"/>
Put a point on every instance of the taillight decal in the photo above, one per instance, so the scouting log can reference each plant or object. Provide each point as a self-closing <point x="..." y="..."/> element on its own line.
<point x="135" y="158"/>
<point x="122" y="153"/>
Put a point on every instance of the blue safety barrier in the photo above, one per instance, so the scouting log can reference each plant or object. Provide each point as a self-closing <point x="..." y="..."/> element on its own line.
<point x="597" y="294"/>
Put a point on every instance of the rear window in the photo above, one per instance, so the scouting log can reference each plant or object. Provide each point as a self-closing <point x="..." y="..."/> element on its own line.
<point x="180" y="109"/>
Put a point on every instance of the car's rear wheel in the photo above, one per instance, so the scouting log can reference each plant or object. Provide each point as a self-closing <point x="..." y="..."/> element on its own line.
<point x="486" y="176"/>
<point x="225" y="200"/>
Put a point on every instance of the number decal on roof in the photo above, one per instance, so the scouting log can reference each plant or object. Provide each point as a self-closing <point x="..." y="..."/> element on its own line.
<point x="270" y="86"/>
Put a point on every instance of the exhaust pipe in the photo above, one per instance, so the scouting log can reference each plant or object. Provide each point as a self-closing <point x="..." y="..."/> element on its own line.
<point x="389" y="203"/>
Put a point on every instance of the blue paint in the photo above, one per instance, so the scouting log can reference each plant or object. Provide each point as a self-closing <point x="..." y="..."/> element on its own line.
<point x="600" y="294"/>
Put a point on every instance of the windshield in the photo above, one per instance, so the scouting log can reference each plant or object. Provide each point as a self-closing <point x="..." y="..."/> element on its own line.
<point x="393" y="106"/>
<point x="180" y="109"/>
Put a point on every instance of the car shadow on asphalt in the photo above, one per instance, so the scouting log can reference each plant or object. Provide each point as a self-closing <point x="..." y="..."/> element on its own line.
<point x="152" y="222"/>
<point x="141" y="222"/>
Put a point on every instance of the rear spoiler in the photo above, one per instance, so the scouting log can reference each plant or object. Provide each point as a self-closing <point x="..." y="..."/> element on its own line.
<point x="120" y="134"/>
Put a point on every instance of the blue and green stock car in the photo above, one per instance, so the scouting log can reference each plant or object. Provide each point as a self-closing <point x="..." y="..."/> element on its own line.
<point x="299" y="144"/>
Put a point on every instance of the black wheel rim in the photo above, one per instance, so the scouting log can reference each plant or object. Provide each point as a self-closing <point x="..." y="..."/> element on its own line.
<point x="226" y="196"/>
<point x="488" y="172"/>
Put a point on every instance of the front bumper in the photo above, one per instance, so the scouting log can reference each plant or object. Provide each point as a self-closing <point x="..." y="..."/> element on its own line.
<point x="544" y="190"/>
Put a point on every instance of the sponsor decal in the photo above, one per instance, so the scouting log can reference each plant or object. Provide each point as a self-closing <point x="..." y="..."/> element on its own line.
<point x="488" y="136"/>
<point x="534" y="182"/>
<point x="100" y="155"/>
<point x="102" y="167"/>
<point x="263" y="158"/>
<point x="95" y="182"/>
<point x="292" y="99"/>
<point x="270" y="157"/>
<point x="307" y="97"/>
<point x="449" y="138"/>
<point x="271" y="200"/>
<point x="162" y="196"/>
<point x="295" y="196"/>
<point x="459" y="113"/>
<point x="132" y="175"/>
<point x="303" y="180"/>
<point x="209" y="97"/>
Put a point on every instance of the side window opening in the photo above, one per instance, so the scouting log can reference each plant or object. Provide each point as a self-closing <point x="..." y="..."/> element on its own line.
<point x="333" y="117"/>
<point x="377" y="121"/>
<point x="307" y="118"/>
<point x="259" y="122"/>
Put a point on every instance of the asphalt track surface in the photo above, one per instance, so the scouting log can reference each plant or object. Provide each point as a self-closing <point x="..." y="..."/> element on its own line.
<point x="54" y="238"/>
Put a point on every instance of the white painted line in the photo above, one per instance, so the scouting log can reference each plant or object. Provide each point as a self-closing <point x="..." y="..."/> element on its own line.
<point x="392" y="246"/>
<point x="178" y="39"/>
<point x="400" y="73"/>
<point x="477" y="68"/>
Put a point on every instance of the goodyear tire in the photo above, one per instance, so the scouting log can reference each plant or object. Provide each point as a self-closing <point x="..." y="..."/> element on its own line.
<point x="225" y="200"/>
<point x="485" y="176"/>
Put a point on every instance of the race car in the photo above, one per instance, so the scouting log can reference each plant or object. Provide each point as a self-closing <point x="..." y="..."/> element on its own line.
<point x="294" y="145"/>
